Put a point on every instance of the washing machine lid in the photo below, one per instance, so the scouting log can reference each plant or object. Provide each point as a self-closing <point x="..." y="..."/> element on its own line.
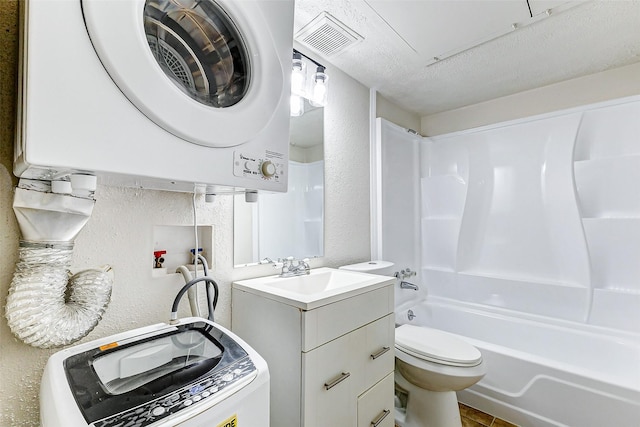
<point x="207" y="71"/>
<point x="436" y="346"/>
<point x="143" y="379"/>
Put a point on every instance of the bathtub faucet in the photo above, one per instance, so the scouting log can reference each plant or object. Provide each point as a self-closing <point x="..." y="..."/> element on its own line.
<point x="407" y="285"/>
<point x="403" y="274"/>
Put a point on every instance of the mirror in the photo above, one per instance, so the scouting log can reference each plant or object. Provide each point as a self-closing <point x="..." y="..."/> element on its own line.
<point x="292" y="223"/>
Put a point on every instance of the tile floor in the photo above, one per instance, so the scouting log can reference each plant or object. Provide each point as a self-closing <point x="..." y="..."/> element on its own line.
<point x="474" y="418"/>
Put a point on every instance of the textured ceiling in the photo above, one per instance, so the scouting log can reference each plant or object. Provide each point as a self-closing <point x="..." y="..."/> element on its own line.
<point x="481" y="55"/>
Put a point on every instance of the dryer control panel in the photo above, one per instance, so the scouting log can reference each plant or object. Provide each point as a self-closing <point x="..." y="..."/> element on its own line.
<point x="268" y="166"/>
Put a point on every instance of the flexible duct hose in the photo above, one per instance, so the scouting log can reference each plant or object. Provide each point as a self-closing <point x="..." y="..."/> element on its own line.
<point x="47" y="308"/>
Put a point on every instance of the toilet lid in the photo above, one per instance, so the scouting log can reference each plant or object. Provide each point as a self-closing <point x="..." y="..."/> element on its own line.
<point x="436" y="346"/>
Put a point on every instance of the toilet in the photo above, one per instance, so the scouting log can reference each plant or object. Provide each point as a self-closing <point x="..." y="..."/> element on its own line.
<point x="431" y="365"/>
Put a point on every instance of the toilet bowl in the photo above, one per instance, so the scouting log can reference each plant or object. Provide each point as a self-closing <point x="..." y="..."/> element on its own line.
<point x="431" y="365"/>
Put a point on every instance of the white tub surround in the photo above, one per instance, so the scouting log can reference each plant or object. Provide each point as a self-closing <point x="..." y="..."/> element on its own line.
<point x="530" y="231"/>
<point x="538" y="215"/>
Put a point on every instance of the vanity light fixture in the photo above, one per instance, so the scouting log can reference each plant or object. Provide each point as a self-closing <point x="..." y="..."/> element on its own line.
<point x="315" y="91"/>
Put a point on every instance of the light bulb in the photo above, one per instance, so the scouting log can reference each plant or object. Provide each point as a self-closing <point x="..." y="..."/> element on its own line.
<point x="320" y="93"/>
<point x="297" y="106"/>
<point x="319" y="96"/>
<point x="298" y="75"/>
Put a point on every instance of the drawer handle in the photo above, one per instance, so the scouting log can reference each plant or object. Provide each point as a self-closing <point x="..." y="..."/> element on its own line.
<point x="337" y="381"/>
<point x="381" y="417"/>
<point x="379" y="353"/>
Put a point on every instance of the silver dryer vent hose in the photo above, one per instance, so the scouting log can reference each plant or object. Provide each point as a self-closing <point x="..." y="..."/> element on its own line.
<point x="47" y="306"/>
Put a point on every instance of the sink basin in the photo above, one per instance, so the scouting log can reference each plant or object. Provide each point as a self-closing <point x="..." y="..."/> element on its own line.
<point x="322" y="286"/>
<point x="313" y="283"/>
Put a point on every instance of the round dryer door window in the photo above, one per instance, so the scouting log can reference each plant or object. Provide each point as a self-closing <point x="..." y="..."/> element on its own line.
<point x="206" y="71"/>
<point x="200" y="49"/>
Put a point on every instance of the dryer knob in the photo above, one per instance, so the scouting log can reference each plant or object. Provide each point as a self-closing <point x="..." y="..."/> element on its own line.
<point x="268" y="169"/>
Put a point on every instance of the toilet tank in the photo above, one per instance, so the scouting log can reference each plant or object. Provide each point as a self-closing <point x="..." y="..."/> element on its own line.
<point x="383" y="268"/>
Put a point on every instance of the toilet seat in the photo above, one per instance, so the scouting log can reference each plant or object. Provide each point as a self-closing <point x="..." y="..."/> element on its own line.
<point x="436" y="346"/>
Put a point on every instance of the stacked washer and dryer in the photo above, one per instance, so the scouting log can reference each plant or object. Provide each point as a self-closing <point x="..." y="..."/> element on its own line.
<point x="180" y="95"/>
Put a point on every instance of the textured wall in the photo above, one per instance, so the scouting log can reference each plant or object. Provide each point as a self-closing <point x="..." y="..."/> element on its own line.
<point x="120" y="232"/>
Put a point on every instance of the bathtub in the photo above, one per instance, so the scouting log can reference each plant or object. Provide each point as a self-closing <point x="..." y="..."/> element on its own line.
<point x="542" y="371"/>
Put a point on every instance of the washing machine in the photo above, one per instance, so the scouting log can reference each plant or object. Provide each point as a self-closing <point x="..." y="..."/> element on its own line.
<point x="163" y="94"/>
<point x="191" y="374"/>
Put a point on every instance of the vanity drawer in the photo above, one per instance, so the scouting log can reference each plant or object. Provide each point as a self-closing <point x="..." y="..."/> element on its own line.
<point x="328" y="322"/>
<point x="376" y="354"/>
<point x="375" y="406"/>
<point x="328" y="384"/>
<point x="346" y="366"/>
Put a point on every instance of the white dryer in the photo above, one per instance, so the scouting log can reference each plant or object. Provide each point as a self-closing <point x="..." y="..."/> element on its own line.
<point x="192" y="374"/>
<point x="158" y="94"/>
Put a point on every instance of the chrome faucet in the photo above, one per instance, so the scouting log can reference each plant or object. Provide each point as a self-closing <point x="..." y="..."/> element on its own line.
<point x="293" y="267"/>
<point x="403" y="274"/>
<point x="407" y="285"/>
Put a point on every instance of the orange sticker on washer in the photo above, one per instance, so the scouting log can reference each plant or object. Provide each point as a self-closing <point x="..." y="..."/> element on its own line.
<point x="108" y="346"/>
<point x="229" y="422"/>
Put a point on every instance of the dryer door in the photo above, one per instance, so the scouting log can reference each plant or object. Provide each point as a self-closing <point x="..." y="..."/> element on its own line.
<point x="207" y="71"/>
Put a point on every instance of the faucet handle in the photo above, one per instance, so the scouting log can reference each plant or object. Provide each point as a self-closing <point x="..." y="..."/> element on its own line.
<point x="407" y="272"/>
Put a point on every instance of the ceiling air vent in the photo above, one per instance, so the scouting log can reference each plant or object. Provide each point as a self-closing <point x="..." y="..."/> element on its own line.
<point x="327" y="35"/>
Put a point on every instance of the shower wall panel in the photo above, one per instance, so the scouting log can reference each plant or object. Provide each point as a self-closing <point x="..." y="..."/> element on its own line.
<point x="540" y="215"/>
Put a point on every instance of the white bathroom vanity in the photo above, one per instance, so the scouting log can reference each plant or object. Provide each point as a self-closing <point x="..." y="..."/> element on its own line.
<point x="328" y="340"/>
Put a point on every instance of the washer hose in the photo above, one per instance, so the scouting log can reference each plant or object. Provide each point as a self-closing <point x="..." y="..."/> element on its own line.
<point x="212" y="301"/>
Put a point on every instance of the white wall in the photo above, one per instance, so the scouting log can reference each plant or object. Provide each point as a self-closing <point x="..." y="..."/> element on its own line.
<point x="611" y="84"/>
<point x="120" y="232"/>
<point x="395" y="114"/>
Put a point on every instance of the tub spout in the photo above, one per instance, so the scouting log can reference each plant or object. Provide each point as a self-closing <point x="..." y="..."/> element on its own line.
<point x="407" y="285"/>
